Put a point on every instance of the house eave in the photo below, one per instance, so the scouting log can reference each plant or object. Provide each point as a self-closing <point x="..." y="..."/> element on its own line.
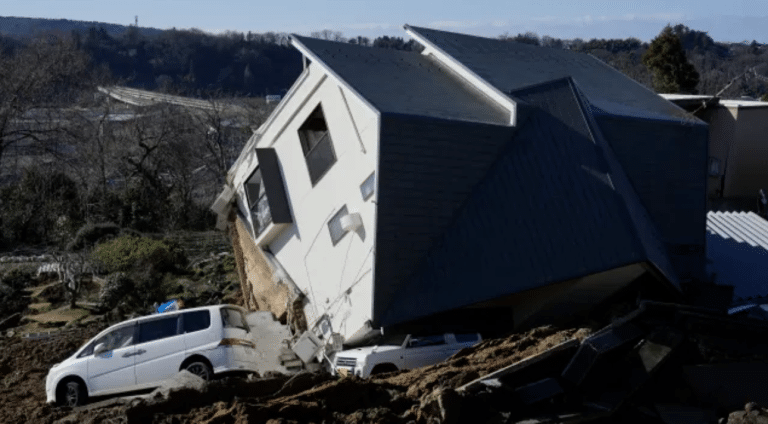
<point x="463" y="71"/>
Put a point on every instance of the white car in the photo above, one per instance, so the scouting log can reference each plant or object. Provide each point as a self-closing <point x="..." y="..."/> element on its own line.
<point x="139" y="353"/>
<point x="400" y="352"/>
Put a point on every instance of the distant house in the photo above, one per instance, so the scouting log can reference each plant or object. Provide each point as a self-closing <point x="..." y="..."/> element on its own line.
<point x="738" y="148"/>
<point x="737" y="253"/>
<point x="400" y="191"/>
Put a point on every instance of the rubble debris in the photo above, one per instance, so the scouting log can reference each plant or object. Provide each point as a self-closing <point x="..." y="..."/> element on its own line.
<point x="752" y="414"/>
<point x="662" y="363"/>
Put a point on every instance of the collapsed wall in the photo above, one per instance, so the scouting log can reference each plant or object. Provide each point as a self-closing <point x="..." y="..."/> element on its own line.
<point x="264" y="289"/>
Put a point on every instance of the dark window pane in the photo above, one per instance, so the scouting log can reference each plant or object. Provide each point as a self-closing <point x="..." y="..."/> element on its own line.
<point x="426" y="341"/>
<point x="196" y="321"/>
<point x="316" y="144"/>
<point x="320" y="158"/>
<point x="157" y="329"/>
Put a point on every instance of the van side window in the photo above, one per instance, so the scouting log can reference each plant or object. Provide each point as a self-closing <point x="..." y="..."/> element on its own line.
<point x="196" y="321"/>
<point x="158" y="329"/>
<point x="115" y="339"/>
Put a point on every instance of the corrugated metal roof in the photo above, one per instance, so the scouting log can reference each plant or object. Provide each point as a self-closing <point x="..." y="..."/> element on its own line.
<point x="743" y="227"/>
<point x="405" y="82"/>
<point x="737" y="249"/>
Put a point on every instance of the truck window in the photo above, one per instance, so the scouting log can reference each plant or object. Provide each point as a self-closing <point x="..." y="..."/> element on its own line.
<point x="426" y="341"/>
<point x="231" y="317"/>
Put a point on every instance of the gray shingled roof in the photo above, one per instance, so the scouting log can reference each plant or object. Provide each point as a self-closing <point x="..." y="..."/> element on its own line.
<point x="510" y="66"/>
<point x="551" y="208"/>
<point x="404" y="82"/>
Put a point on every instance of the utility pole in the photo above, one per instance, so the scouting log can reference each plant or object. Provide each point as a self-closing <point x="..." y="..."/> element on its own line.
<point x="137" y="21"/>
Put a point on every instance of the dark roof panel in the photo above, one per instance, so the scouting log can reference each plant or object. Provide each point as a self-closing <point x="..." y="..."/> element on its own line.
<point x="510" y="66"/>
<point x="547" y="211"/>
<point x="405" y="82"/>
<point x="427" y="169"/>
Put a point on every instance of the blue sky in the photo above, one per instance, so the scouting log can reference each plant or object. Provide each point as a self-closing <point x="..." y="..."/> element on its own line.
<point x="734" y="20"/>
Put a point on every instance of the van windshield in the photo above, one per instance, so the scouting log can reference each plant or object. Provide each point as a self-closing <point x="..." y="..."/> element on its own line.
<point x="231" y="317"/>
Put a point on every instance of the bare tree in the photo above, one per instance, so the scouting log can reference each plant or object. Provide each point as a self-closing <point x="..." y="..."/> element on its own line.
<point x="35" y="81"/>
<point x="73" y="271"/>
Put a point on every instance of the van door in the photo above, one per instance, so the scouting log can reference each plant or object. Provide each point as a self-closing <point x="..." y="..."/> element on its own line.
<point x="113" y="370"/>
<point x="160" y="350"/>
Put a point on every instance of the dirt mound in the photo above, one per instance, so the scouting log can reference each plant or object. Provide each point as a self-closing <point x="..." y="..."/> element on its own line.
<point x="23" y="367"/>
<point x="418" y="395"/>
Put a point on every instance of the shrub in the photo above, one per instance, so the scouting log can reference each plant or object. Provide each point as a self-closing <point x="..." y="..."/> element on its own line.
<point x="129" y="252"/>
<point x="90" y="233"/>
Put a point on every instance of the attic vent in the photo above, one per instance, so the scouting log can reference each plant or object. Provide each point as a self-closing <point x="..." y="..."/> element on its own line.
<point x="334" y="225"/>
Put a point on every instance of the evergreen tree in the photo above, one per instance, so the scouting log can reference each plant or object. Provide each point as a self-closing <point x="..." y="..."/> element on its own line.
<point x="665" y="58"/>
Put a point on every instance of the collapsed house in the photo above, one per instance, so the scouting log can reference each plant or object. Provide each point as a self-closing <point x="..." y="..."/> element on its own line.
<point x="478" y="179"/>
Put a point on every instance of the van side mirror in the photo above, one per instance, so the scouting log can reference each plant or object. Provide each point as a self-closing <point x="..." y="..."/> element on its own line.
<point x="99" y="349"/>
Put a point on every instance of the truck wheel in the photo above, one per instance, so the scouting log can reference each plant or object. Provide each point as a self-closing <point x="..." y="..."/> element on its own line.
<point x="383" y="368"/>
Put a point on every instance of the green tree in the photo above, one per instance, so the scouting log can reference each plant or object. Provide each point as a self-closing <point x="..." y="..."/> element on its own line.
<point x="665" y="58"/>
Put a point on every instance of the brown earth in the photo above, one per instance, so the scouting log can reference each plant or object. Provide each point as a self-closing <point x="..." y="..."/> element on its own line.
<point x="305" y="397"/>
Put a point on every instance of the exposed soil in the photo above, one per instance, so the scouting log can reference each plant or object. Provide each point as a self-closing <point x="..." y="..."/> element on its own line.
<point x="23" y="367"/>
<point x="305" y="397"/>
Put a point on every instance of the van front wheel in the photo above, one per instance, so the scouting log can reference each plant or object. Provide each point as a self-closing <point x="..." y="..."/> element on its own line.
<point x="200" y="369"/>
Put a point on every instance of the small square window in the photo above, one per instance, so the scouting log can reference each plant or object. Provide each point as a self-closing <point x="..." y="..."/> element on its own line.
<point x="368" y="186"/>
<point x="334" y="225"/>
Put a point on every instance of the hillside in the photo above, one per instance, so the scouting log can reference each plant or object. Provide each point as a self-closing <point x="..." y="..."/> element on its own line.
<point x="28" y="27"/>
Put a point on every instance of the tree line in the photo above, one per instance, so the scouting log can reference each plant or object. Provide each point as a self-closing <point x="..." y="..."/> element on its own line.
<point x="70" y="157"/>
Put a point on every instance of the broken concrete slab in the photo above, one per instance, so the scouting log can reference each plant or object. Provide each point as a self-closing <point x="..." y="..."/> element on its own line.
<point x="539" y="391"/>
<point x="595" y="347"/>
<point x="181" y="380"/>
<point x="530" y="365"/>
<point x="628" y="374"/>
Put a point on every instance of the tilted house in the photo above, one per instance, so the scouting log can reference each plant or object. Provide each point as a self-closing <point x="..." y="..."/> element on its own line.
<point x="480" y="175"/>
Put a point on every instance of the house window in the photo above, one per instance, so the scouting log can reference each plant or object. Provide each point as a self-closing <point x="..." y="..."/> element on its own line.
<point x="257" y="202"/>
<point x="367" y="187"/>
<point x="334" y="225"/>
<point x="317" y="145"/>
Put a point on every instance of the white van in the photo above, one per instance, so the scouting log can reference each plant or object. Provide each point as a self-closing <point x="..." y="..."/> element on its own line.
<point x="137" y="354"/>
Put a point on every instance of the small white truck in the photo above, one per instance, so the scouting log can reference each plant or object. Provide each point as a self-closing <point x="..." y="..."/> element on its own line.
<point x="398" y="352"/>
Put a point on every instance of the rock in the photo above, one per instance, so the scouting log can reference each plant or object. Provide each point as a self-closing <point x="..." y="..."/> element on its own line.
<point x="442" y="405"/>
<point x="182" y="380"/>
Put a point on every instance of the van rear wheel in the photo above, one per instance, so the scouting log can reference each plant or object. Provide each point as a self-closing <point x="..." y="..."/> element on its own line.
<point x="200" y="369"/>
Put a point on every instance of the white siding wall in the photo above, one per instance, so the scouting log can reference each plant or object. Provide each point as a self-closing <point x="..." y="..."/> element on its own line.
<point x="324" y="272"/>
